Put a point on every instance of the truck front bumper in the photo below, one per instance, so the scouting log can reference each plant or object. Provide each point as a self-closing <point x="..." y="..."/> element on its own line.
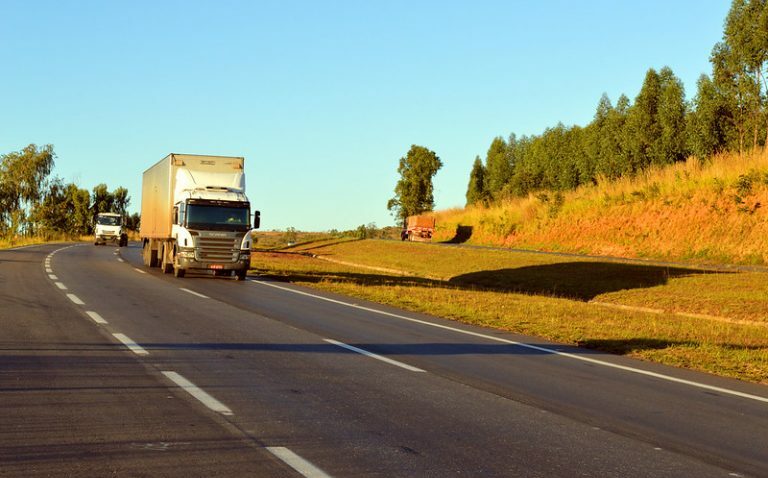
<point x="189" y="262"/>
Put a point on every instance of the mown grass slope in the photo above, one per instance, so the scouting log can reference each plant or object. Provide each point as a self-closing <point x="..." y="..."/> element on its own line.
<point x="711" y="212"/>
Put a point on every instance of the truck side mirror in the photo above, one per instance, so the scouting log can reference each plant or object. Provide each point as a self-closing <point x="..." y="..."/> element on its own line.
<point x="256" y="219"/>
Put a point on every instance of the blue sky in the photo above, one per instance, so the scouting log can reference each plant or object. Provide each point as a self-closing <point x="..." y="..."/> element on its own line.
<point x="322" y="98"/>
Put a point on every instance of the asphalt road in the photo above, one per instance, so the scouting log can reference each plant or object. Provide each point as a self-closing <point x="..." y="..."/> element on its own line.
<point x="110" y="369"/>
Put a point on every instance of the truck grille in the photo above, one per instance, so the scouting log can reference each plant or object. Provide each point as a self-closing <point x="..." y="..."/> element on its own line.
<point x="217" y="249"/>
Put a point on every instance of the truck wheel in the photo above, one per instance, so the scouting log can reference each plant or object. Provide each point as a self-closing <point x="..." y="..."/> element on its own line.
<point x="165" y="266"/>
<point x="149" y="256"/>
<point x="154" y="261"/>
<point x="240" y="275"/>
<point x="178" y="272"/>
<point x="123" y="241"/>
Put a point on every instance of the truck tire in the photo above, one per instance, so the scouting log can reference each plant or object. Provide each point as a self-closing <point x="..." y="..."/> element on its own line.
<point x="165" y="266"/>
<point x="123" y="241"/>
<point x="178" y="272"/>
<point x="240" y="275"/>
<point x="149" y="256"/>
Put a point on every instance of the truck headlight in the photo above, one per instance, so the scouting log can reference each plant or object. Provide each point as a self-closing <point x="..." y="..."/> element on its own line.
<point x="245" y="245"/>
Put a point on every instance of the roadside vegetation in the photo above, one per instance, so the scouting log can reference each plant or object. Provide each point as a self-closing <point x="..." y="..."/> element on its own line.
<point x="713" y="321"/>
<point x="711" y="212"/>
<point x="35" y="208"/>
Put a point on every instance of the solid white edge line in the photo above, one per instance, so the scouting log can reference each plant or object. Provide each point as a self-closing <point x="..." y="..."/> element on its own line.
<point x="198" y="393"/>
<point x="194" y="293"/>
<point x="96" y="317"/>
<point x="139" y="270"/>
<point x="625" y="368"/>
<point x="375" y="356"/>
<point x="61" y="285"/>
<point x="296" y="462"/>
<point x="133" y="346"/>
<point x="75" y="299"/>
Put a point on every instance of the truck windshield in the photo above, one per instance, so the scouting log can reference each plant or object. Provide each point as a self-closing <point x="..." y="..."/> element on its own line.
<point x="108" y="220"/>
<point x="218" y="217"/>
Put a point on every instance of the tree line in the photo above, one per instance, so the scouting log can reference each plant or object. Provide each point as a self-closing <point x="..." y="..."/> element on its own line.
<point x="33" y="204"/>
<point x="728" y="113"/>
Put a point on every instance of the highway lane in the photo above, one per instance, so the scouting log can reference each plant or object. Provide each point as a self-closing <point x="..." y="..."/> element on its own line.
<point x="74" y="404"/>
<point x="479" y="407"/>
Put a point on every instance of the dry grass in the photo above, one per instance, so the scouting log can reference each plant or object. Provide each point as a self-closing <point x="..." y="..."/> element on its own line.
<point x="553" y="297"/>
<point x="712" y="212"/>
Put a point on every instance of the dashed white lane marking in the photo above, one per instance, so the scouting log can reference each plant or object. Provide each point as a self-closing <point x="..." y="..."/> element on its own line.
<point x="581" y="358"/>
<point x="375" y="356"/>
<point x="139" y="271"/>
<point x="53" y="277"/>
<point x="75" y="299"/>
<point x="198" y="393"/>
<point x="133" y="346"/>
<point x="194" y="293"/>
<point x="298" y="463"/>
<point x="96" y="317"/>
<point x="49" y="270"/>
<point x="61" y="286"/>
<point x="120" y="259"/>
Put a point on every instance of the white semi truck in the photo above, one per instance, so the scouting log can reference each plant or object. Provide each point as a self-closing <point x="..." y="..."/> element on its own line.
<point x="195" y="215"/>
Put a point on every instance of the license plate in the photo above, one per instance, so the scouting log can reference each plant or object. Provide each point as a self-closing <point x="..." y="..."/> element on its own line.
<point x="216" y="266"/>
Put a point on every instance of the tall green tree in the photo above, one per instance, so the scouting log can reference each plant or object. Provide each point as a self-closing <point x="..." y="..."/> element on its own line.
<point x="476" y="192"/>
<point x="23" y="176"/>
<point x="746" y="37"/>
<point x="710" y="124"/>
<point x="498" y="170"/>
<point x="613" y="161"/>
<point x="643" y="130"/>
<point x="414" y="190"/>
<point x="64" y="209"/>
<point x="672" y="143"/>
<point x="593" y="135"/>
<point x="121" y="200"/>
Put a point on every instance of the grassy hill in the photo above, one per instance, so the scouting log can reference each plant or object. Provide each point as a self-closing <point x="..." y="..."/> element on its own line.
<point x="709" y="212"/>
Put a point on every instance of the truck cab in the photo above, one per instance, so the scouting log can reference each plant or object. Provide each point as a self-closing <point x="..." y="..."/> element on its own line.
<point x="212" y="231"/>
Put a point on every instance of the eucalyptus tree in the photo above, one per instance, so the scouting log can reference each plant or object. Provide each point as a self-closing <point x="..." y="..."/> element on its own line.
<point x="23" y="176"/>
<point x="414" y="190"/>
<point x="476" y="191"/>
<point x="672" y="144"/>
<point x="498" y="167"/>
<point x="746" y="37"/>
<point x="710" y="124"/>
